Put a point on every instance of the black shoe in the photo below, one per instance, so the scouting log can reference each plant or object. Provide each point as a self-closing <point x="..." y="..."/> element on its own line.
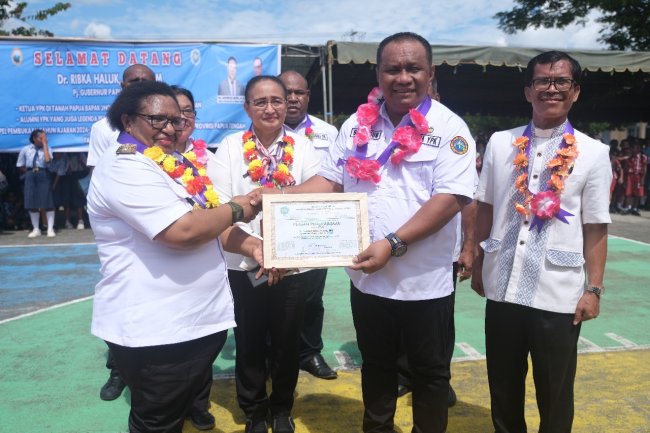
<point x="451" y="400"/>
<point x="113" y="388"/>
<point x="202" y="419"/>
<point x="256" y="426"/>
<point x="402" y="390"/>
<point x="634" y="212"/>
<point x="317" y="366"/>
<point x="283" y="424"/>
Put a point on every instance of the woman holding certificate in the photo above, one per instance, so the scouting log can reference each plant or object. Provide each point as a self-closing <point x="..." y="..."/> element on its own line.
<point x="163" y="304"/>
<point x="265" y="155"/>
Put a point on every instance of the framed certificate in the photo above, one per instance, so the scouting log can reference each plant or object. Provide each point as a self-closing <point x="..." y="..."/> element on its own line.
<point x="314" y="230"/>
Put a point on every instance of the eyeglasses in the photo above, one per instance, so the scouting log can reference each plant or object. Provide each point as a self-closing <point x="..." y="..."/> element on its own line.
<point x="561" y="84"/>
<point x="188" y="112"/>
<point x="261" y="103"/>
<point x="160" y="122"/>
<point x="298" y="93"/>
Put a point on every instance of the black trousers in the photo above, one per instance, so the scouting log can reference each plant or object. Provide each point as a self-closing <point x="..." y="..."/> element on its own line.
<point x="261" y="313"/>
<point x="164" y="380"/>
<point x="110" y="361"/>
<point x="311" y="342"/>
<point x="202" y="399"/>
<point x="381" y="324"/>
<point x="512" y="332"/>
<point x="403" y="373"/>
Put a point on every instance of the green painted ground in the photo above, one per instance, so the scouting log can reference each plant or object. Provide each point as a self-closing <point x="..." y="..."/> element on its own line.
<point x="52" y="368"/>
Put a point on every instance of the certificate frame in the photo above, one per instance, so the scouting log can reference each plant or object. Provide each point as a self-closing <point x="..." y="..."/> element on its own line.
<point x="271" y="203"/>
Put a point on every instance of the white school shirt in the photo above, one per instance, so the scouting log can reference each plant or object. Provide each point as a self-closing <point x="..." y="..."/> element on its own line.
<point x="324" y="134"/>
<point x="542" y="270"/>
<point x="227" y="170"/>
<point x="26" y="157"/>
<point x="151" y="294"/>
<point x="102" y="136"/>
<point x="424" y="272"/>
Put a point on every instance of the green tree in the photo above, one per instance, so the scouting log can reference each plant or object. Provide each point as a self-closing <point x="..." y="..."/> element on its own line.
<point x="10" y="9"/>
<point x="626" y="22"/>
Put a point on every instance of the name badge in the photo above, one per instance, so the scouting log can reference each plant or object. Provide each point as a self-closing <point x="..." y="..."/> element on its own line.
<point x="374" y="135"/>
<point x="431" y="140"/>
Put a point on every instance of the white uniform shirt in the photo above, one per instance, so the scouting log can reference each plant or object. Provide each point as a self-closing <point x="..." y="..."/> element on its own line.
<point x="151" y="294"/>
<point x="26" y="157"/>
<point x="227" y="170"/>
<point x="543" y="270"/>
<point x="424" y="272"/>
<point x="324" y="134"/>
<point x="102" y="136"/>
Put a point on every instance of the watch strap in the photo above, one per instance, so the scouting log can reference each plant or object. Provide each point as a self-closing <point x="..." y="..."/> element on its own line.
<point x="397" y="246"/>
<point x="237" y="212"/>
<point x="596" y="290"/>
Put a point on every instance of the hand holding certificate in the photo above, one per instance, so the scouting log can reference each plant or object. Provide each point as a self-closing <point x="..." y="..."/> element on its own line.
<point x="314" y="230"/>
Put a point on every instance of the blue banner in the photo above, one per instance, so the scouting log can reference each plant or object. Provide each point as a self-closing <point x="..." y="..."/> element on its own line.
<point x="63" y="87"/>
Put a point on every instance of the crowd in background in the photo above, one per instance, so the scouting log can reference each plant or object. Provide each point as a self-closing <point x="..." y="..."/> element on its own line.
<point x="69" y="176"/>
<point x="629" y="190"/>
<point x="629" y="193"/>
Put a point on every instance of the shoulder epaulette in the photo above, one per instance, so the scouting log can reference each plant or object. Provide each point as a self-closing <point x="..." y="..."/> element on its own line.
<point x="126" y="149"/>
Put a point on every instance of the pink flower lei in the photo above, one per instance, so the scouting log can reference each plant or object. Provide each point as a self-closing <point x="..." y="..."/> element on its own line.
<point x="408" y="138"/>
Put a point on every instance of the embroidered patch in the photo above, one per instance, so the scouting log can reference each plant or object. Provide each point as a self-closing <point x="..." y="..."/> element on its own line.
<point x="126" y="149"/>
<point x="459" y="145"/>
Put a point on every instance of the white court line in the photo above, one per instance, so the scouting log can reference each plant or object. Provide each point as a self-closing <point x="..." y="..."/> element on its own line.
<point x="467" y="359"/>
<point x="469" y="351"/>
<point x="627" y="349"/>
<point x="631" y="240"/>
<point x="42" y="310"/>
<point x="344" y="359"/>
<point x="624" y="341"/>
<point x="588" y="346"/>
<point x="47" y="245"/>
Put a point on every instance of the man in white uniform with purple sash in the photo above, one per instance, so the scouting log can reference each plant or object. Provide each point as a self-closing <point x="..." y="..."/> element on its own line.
<point x="416" y="161"/>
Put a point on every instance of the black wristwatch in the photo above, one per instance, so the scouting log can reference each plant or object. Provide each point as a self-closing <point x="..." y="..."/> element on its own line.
<point x="397" y="246"/>
<point x="237" y="212"/>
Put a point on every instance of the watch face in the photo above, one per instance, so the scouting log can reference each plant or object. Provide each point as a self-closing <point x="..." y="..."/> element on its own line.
<point x="397" y="246"/>
<point x="399" y="250"/>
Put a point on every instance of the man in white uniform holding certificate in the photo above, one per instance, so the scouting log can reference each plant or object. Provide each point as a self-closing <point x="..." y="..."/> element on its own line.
<point x="416" y="161"/>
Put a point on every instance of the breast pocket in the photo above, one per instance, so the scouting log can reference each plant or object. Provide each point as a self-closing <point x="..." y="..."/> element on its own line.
<point x="416" y="170"/>
<point x="573" y="184"/>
